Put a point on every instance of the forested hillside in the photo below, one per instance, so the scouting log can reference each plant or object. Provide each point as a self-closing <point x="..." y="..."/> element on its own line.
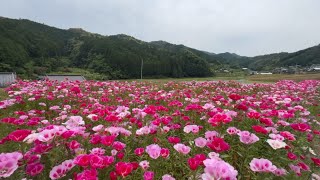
<point x="31" y="49"/>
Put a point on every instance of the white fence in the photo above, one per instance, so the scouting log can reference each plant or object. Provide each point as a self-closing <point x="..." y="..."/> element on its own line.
<point x="7" y="78"/>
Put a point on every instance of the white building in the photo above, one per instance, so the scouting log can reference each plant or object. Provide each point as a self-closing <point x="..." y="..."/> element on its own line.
<point x="7" y="78"/>
<point x="64" y="77"/>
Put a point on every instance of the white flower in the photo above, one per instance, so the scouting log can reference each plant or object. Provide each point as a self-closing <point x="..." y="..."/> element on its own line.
<point x="312" y="151"/>
<point x="31" y="137"/>
<point x="276" y="144"/>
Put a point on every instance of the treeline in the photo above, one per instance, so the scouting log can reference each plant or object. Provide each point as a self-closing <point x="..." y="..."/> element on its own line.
<point x="33" y="49"/>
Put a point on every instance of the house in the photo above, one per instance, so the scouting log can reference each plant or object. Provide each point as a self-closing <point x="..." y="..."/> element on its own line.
<point x="265" y="73"/>
<point x="64" y="77"/>
<point x="314" y="67"/>
<point x="7" y="78"/>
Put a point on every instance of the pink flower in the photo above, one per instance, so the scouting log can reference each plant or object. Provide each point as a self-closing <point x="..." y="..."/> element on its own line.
<point x="232" y="131"/>
<point x="87" y="174"/>
<point x="74" y="122"/>
<point x="164" y="152"/>
<point x="139" y="151"/>
<point x="144" y="165"/>
<point x="173" y="140"/>
<point x="288" y="135"/>
<point x="19" y="135"/>
<point x="292" y="156"/>
<point x="218" y="169"/>
<point x="74" y="145"/>
<point x="276" y="144"/>
<point x="167" y="177"/>
<point x="280" y="172"/>
<point x="97" y="151"/>
<point x="253" y="115"/>
<point x="218" y="145"/>
<point x="248" y="138"/>
<point x="9" y="163"/>
<point x="219" y="118"/>
<point x="200" y="142"/>
<point x="107" y="140"/>
<point x="302" y="127"/>
<point x="61" y="170"/>
<point x="262" y="165"/>
<point x="82" y="160"/>
<point x="295" y="169"/>
<point x="117" y="145"/>
<point x="153" y="150"/>
<point x="209" y="135"/>
<point x="34" y="169"/>
<point x="148" y="175"/>
<point x="181" y="148"/>
<point x="97" y="161"/>
<point x="191" y="128"/>
<point x="124" y="168"/>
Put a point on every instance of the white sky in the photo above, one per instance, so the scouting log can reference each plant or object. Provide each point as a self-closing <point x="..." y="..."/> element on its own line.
<point x="245" y="27"/>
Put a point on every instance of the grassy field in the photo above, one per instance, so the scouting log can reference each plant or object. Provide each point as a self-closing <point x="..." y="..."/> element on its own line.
<point x="277" y="77"/>
<point x="246" y="79"/>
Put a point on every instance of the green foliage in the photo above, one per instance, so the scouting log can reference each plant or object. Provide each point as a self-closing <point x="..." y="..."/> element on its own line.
<point x="33" y="49"/>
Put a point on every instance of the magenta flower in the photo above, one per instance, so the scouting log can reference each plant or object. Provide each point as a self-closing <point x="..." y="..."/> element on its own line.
<point x="148" y="175"/>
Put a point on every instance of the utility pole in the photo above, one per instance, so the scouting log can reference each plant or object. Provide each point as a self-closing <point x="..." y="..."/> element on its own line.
<point x="141" y="68"/>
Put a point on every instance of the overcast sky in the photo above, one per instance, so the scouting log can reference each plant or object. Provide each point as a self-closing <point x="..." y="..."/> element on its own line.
<point x="245" y="27"/>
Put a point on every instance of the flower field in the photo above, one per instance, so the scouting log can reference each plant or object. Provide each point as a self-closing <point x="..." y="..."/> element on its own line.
<point x="169" y="130"/>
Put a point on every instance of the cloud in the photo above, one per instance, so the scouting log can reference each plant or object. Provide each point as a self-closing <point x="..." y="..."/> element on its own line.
<point x="246" y="27"/>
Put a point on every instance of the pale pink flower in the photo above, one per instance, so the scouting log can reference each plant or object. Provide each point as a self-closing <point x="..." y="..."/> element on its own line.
<point x="200" y="142"/>
<point x="144" y="165"/>
<point x="214" y="155"/>
<point x="276" y="137"/>
<point x="248" y="138"/>
<point x="191" y="128"/>
<point x="97" y="128"/>
<point x="74" y="122"/>
<point x="218" y="169"/>
<point x="280" y="172"/>
<point x="93" y="117"/>
<point x="153" y="150"/>
<point x="97" y="151"/>
<point x="61" y="170"/>
<point x="9" y="163"/>
<point x="181" y="148"/>
<point x="262" y="165"/>
<point x="167" y="177"/>
<point x="276" y="144"/>
<point x="143" y="131"/>
<point x="296" y="169"/>
<point x="232" y="130"/>
<point x="209" y="135"/>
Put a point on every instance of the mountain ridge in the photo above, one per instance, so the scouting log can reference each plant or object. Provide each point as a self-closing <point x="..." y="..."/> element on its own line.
<point x="32" y="48"/>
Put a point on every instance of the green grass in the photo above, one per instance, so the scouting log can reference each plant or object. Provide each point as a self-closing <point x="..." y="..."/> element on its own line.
<point x="278" y="77"/>
<point x="243" y="79"/>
